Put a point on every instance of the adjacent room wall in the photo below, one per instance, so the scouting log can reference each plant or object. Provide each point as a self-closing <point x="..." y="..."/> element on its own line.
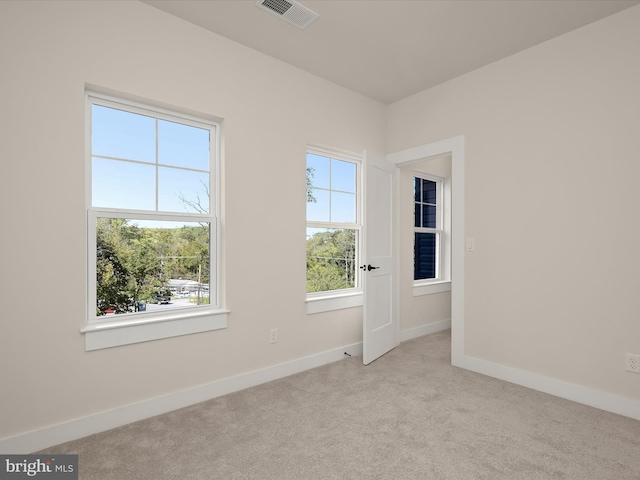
<point x="552" y="167"/>
<point x="419" y="314"/>
<point x="49" y="53"/>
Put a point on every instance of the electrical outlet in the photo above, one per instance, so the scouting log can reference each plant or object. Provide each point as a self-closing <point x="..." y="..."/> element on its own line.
<point x="273" y="335"/>
<point x="632" y="363"/>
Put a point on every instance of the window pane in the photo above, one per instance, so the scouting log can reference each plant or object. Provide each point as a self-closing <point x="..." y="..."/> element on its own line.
<point x="118" y="184"/>
<point x="318" y="210"/>
<point x="182" y="191"/>
<point x="183" y="145"/>
<point x="343" y="176"/>
<point x="148" y="265"/>
<point x="425" y="247"/>
<point x="429" y="216"/>
<point x="318" y="168"/>
<point x="429" y="191"/>
<point x="119" y="134"/>
<point x="331" y="259"/>
<point x="343" y="207"/>
<point x="417" y="189"/>
<point x="417" y="214"/>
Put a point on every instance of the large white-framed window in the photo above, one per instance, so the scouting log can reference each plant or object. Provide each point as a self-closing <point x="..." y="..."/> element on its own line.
<point x="152" y="223"/>
<point x="334" y="229"/>
<point x="428" y="229"/>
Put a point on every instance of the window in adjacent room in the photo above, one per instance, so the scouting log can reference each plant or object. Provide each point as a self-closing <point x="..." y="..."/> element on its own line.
<point x="428" y="228"/>
<point x="333" y="223"/>
<point x="152" y="216"/>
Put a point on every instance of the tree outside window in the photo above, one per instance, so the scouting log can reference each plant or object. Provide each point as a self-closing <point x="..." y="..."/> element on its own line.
<point x="333" y="222"/>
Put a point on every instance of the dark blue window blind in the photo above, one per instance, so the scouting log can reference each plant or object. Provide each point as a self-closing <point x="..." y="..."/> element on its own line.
<point x="424" y="254"/>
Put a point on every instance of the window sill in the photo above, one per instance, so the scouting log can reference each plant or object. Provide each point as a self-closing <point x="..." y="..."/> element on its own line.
<point x="145" y="328"/>
<point x="431" y="288"/>
<point x="334" y="302"/>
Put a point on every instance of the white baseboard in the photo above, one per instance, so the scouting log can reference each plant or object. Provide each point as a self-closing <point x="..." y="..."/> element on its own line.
<point x="627" y="407"/>
<point x="102" y="421"/>
<point x="416" y="332"/>
<point x="99" y="422"/>
<point x="587" y="396"/>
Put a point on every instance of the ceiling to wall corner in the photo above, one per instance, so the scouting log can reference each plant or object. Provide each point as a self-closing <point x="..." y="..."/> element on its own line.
<point x="390" y="49"/>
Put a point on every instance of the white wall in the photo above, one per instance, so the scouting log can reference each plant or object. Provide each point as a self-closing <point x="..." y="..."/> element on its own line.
<point x="49" y="53"/>
<point x="552" y="166"/>
<point x="552" y="169"/>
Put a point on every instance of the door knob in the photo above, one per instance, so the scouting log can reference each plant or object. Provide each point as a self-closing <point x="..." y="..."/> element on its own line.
<point x="368" y="267"/>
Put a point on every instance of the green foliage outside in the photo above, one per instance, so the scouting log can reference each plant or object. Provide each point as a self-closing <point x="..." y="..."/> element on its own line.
<point x="331" y="260"/>
<point x="310" y="175"/>
<point x="134" y="263"/>
<point x="331" y="254"/>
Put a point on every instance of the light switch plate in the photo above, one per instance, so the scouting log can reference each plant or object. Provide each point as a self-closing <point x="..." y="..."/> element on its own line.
<point x="471" y="244"/>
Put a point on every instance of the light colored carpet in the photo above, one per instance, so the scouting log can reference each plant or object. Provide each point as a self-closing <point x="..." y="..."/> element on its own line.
<point x="408" y="415"/>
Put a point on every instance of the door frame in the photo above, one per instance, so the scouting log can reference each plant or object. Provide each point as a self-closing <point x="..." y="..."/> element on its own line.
<point x="455" y="147"/>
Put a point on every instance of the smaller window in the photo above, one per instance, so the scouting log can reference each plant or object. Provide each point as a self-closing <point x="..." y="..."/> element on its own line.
<point x="333" y="223"/>
<point x="428" y="228"/>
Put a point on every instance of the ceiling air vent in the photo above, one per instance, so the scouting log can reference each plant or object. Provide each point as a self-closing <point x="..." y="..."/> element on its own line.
<point x="290" y="11"/>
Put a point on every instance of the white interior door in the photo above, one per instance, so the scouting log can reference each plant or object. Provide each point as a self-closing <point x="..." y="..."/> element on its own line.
<point x="380" y="329"/>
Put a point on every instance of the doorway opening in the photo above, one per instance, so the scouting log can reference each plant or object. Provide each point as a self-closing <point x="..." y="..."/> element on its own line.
<point x="452" y="149"/>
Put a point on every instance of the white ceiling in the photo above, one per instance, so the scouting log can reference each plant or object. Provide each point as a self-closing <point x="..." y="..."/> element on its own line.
<point x="390" y="49"/>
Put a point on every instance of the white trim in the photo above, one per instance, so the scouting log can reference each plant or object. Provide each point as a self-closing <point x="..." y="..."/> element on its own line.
<point x="102" y="333"/>
<point x="577" y="393"/>
<point x="411" y="333"/>
<point x="328" y="301"/>
<point x="102" y="421"/>
<point x="625" y="406"/>
<point x="431" y="288"/>
<point x="143" y="329"/>
<point x="335" y="302"/>
<point x="336" y="153"/>
<point x="442" y="250"/>
<point x="456" y="148"/>
<point x="147" y="108"/>
<point x="81" y="427"/>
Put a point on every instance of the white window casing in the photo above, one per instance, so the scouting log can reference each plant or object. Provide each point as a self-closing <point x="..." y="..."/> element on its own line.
<point x="442" y="280"/>
<point x="103" y="331"/>
<point x="327" y="300"/>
